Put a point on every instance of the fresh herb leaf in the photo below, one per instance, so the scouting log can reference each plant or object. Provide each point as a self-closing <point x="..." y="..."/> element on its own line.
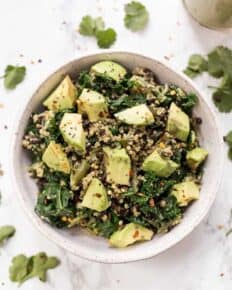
<point x="191" y="73"/>
<point x="89" y="26"/>
<point x="19" y="268"/>
<point x="196" y="65"/>
<point x="222" y="97"/>
<point x="220" y="62"/>
<point x="5" y="233"/>
<point x="218" y="65"/>
<point x="228" y="140"/>
<point x="24" y="268"/>
<point x="99" y="24"/>
<point x="13" y="76"/>
<point x="105" y="38"/>
<point x="136" y="16"/>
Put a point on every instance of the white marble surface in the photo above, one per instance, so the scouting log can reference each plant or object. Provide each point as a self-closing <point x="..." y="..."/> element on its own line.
<point x="45" y="30"/>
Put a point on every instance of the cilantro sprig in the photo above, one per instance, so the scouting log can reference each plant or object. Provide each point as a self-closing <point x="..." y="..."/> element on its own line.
<point x="95" y="27"/>
<point x="136" y="16"/>
<point x="23" y="268"/>
<point x="13" y="76"/>
<point x="89" y="26"/>
<point x="218" y="64"/>
<point x="105" y="38"/>
<point x="5" y="233"/>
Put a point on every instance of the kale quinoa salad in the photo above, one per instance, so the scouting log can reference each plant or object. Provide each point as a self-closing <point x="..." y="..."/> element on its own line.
<point x="115" y="153"/>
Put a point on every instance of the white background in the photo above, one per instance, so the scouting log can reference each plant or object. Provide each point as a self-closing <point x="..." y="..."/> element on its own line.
<point x="31" y="30"/>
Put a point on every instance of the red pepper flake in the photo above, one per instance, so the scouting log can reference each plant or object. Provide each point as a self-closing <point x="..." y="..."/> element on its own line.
<point x="136" y="234"/>
<point x="98" y="195"/>
<point x="101" y="114"/>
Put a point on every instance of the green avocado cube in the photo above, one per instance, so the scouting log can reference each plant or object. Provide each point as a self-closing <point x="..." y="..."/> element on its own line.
<point x="118" y="165"/>
<point x="96" y="197"/>
<point x="63" y="97"/>
<point x="72" y="130"/>
<point x="78" y="173"/>
<point x="110" y="69"/>
<point x="138" y="115"/>
<point x="54" y="157"/>
<point x="93" y="104"/>
<point x="130" y="234"/>
<point x="178" y="123"/>
<point x="161" y="166"/>
<point x="185" y="192"/>
<point x="195" y="157"/>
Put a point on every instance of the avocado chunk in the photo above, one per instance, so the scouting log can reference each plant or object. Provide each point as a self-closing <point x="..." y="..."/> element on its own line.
<point x="78" y="173"/>
<point x="195" y="157"/>
<point x="63" y="97"/>
<point x="72" y="130"/>
<point x="161" y="166"/>
<point x="137" y="115"/>
<point x="118" y="165"/>
<point x="185" y="192"/>
<point x="130" y="234"/>
<point x="93" y="104"/>
<point x="96" y="197"/>
<point x="55" y="158"/>
<point x="178" y="123"/>
<point x="110" y="69"/>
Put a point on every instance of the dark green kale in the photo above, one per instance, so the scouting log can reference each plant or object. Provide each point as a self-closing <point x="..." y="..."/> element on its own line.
<point x="119" y="94"/>
<point x="187" y="102"/>
<point x="126" y="101"/>
<point x="103" y="227"/>
<point x="54" y="202"/>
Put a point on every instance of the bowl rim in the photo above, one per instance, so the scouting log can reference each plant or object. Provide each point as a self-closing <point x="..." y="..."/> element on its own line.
<point x="63" y="242"/>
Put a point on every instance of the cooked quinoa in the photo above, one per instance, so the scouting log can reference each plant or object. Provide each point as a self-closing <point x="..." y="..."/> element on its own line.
<point x="151" y="198"/>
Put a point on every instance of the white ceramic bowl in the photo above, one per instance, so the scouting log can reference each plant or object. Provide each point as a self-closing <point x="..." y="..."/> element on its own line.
<point x="96" y="248"/>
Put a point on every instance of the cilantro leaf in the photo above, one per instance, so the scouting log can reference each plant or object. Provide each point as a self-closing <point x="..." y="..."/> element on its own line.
<point x="19" y="268"/>
<point x="105" y="38"/>
<point x="99" y="24"/>
<point x="222" y="97"/>
<point x="89" y="26"/>
<point x="136" y="16"/>
<point x="190" y="73"/>
<point x="218" y="65"/>
<point x="228" y="140"/>
<point x="196" y="65"/>
<point x="220" y="62"/>
<point x="6" y="232"/>
<point x="24" y="268"/>
<point x="13" y="76"/>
